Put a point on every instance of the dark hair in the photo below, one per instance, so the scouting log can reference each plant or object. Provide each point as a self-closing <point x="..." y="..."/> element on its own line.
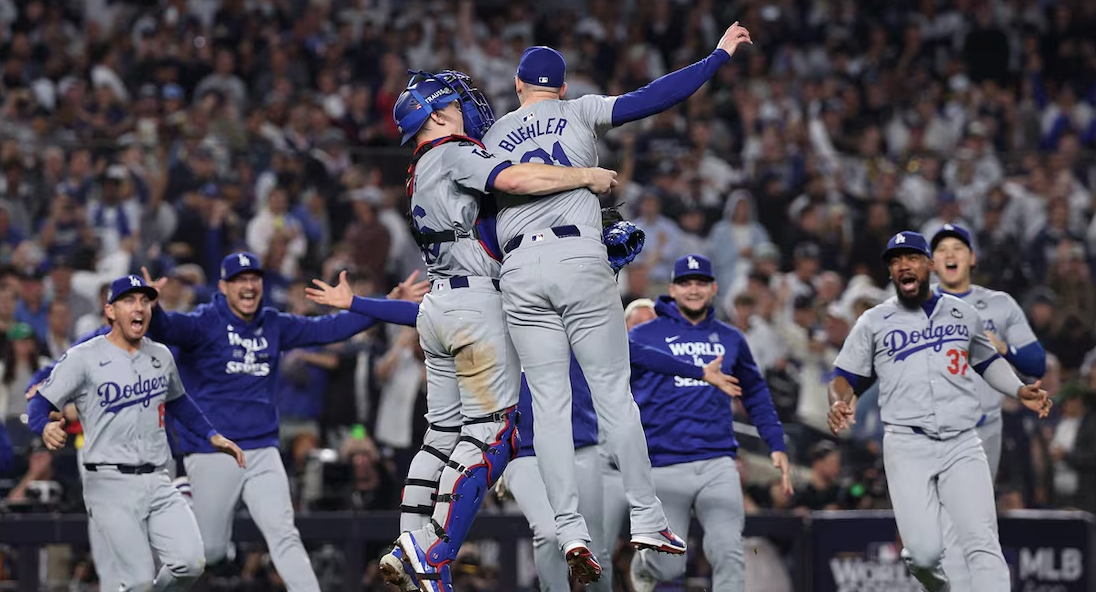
<point x="8" y="356"/>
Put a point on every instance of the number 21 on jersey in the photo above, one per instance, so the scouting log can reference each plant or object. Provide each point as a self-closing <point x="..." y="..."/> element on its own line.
<point x="959" y="364"/>
<point x="556" y="157"/>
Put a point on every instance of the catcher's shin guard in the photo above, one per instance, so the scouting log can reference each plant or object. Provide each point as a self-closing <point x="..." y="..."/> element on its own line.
<point x="486" y="447"/>
<point x="421" y="486"/>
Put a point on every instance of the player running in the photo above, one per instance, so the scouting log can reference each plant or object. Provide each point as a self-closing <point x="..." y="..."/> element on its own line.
<point x="1007" y="328"/>
<point x="229" y="350"/>
<point x="472" y="369"/>
<point x="122" y="383"/>
<point x="560" y="295"/>
<point x="690" y="434"/>
<point x="925" y="348"/>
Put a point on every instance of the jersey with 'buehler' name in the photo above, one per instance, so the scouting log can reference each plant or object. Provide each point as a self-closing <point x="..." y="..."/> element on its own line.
<point x="556" y="132"/>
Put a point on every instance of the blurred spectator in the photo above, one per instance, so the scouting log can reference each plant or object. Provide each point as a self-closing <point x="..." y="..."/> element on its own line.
<point x="19" y="360"/>
<point x="60" y="325"/>
<point x="822" y="491"/>
<point x="1073" y="448"/>
<point x="368" y="238"/>
<point x="33" y="307"/>
<point x="61" y="291"/>
<point x="733" y="239"/>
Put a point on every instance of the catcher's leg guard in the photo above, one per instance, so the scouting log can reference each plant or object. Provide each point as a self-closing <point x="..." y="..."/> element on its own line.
<point x="421" y="486"/>
<point x="393" y="572"/>
<point x="486" y="447"/>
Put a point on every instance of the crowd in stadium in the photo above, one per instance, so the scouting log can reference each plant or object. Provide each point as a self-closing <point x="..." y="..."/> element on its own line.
<point x="168" y="134"/>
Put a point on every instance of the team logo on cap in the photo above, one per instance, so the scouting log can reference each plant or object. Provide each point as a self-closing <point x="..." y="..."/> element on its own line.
<point x="899" y="238"/>
<point x="134" y="281"/>
<point x="693" y="263"/>
<point x="244" y="261"/>
<point x="949" y="227"/>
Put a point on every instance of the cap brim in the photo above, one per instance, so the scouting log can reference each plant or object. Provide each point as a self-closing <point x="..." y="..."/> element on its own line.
<point x="146" y="290"/>
<point x="890" y="253"/>
<point x="243" y="271"/>
<point x="693" y="276"/>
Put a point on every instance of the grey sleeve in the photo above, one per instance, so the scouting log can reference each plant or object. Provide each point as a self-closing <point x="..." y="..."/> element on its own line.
<point x="175" y="387"/>
<point x="857" y="354"/>
<point x="981" y="348"/>
<point x="1018" y="332"/>
<point x="474" y="167"/>
<point x="596" y="111"/>
<point x="67" y="380"/>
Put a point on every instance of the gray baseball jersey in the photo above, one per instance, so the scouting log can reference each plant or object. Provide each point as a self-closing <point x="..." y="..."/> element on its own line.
<point x="925" y="363"/>
<point x="551" y="132"/>
<point x="448" y="184"/>
<point x="1003" y="316"/>
<point x="120" y="398"/>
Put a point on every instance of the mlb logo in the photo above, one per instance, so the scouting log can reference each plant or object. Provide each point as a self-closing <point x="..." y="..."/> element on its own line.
<point x="543" y="80"/>
<point x="537" y="237"/>
<point x="527" y="117"/>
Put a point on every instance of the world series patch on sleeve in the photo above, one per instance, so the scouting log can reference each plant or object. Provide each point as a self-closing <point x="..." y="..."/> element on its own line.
<point x="623" y="240"/>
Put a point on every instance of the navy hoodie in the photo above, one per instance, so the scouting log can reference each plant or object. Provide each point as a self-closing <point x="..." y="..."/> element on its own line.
<point x="688" y="420"/>
<point x="583" y="416"/>
<point x="230" y="367"/>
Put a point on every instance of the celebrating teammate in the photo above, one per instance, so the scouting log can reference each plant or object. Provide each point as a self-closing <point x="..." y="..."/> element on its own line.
<point x="925" y="348"/>
<point x="1006" y="326"/>
<point x="122" y="383"/>
<point x="471" y="367"/>
<point x="229" y="354"/>
<point x="560" y="295"/>
<point x="690" y="434"/>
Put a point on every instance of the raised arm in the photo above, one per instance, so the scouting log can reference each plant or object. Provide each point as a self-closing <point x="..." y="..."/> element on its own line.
<point x="398" y="312"/>
<point x="675" y="87"/>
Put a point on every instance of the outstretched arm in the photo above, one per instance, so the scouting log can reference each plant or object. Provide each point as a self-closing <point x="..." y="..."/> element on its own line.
<point x="677" y="86"/>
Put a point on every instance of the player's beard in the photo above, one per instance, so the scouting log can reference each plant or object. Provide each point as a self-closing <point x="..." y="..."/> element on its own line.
<point x="921" y="296"/>
<point x="692" y="314"/>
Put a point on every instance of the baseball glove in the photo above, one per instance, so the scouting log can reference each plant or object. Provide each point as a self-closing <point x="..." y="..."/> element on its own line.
<point x="623" y="239"/>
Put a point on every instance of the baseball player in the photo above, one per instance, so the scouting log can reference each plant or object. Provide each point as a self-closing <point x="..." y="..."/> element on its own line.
<point x="472" y="369"/>
<point x="560" y="296"/>
<point x="230" y="349"/>
<point x="925" y="348"/>
<point x="1007" y="328"/>
<point x="122" y="384"/>
<point x="690" y="434"/>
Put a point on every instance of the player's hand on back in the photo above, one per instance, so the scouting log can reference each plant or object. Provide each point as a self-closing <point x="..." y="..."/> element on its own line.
<point x="780" y="461"/>
<point x="54" y="435"/>
<point x="600" y="180"/>
<point x="736" y="34"/>
<point x="228" y="447"/>
<point x="713" y="375"/>
<point x="338" y="296"/>
<point x="1035" y="398"/>
<point x="841" y="416"/>
<point x="410" y="290"/>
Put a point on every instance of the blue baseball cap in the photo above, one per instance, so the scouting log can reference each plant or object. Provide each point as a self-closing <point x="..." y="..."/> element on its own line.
<point x="951" y="230"/>
<point x="172" y="92"/>
<point x="692" y="266"/>
<point x="237" y="263"/>
<point x="130" y="283"/>
<point x="542" y="66"/>
<point x="907" y="240"/>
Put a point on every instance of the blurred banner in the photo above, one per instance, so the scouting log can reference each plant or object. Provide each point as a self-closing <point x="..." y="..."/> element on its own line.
<point x="1047" y="551"/>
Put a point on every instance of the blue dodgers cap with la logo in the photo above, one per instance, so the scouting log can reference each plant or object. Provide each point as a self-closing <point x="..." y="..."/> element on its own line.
<point x="692" y="266"/>
<point x="130" y="283"/>
<point x="238" y="263"/>
<point x="951" y="230"/>
<point x="907" y="240"/>
<point x="542" y="66"/>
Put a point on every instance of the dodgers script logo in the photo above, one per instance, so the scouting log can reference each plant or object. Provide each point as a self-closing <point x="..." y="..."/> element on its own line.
<point x="901" y="345"/>
<point x="114" y="398"/>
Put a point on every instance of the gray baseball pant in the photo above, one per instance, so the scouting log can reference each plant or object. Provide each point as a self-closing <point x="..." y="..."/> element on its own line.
<point x="927" y="478"/>
<point x="955" y="565"/>
<point x="524" y="482"/>
<point x="560" y="295"/>
<point x="137" y="516"/>
<point x="98" y="544"/>
<point x="216" y="485"/>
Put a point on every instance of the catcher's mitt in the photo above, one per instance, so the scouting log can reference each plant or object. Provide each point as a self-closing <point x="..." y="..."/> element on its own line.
<point x="623" y="239"/>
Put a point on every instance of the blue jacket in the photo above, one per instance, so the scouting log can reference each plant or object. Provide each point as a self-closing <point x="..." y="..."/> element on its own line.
<point x="687" y="420"/>
<point x="583" y="416"/>
<point x="230" y="367"/>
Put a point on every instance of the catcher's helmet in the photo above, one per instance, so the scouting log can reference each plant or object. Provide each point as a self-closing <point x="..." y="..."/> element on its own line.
<point x="426" y="93"/>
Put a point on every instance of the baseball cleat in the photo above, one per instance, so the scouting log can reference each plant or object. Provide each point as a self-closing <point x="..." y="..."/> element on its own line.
<point x="430" y="578"/>
<point x="582" y="563"/>
<point x="393" y="572"/>
<point x="663" y="541"/>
